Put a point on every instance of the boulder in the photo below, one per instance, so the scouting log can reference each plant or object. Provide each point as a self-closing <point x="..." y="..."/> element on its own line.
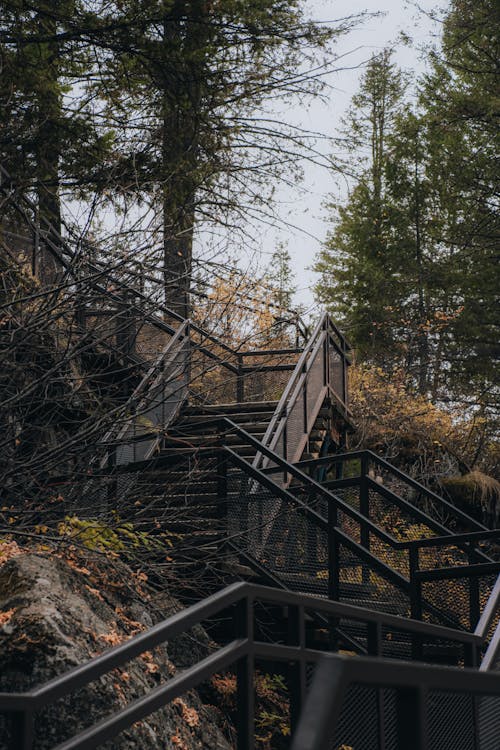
<point x="57" y="612"/>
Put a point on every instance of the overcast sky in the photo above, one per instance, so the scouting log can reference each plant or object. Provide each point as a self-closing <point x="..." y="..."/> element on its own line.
<point x="305" y="208"/>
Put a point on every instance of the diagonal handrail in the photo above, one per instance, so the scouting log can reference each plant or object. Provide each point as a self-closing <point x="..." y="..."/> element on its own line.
<point x="411" y="585"/>
<point x="413" y="683"/>
<point x="242" y="597"/>
<point x="140" y="399"/>
<point x="405" y="478"/>
<point x="295" y="471"/>
<point x="296" y="387"/>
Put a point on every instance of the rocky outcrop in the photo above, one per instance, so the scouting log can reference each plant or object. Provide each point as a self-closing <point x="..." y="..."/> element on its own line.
<point x="57" y="612"/>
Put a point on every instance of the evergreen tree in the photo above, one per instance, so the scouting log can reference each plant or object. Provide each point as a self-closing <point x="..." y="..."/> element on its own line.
<point x="358" y="282"/>
<point x="411" y="266"/>
<point x="186" y="84"/>
<point x="48" y="140"/>
<point x="460" y="98"/>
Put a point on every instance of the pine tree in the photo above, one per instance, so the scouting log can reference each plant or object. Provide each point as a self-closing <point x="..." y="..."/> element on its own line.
<point x="358" y="281"/>
<point x="186" y="83"/>
<point x="48" y="141"/>
<point x="411" y="266"/>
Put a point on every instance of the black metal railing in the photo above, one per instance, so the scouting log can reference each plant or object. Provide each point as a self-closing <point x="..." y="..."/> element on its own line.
<point x="240" y="602"/>
<point x="307" y="538"/>
<point x="320" y="374"/>
<point x="423" y="707"/>
<point x="154" y="404"/>
<point x="332" y="543"/>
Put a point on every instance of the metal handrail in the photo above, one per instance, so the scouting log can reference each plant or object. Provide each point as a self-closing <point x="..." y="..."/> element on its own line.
<point x="244" y="646"/>
<point x="139" y="396"/>
<point x="295" y="471"/>
<point x="395" y="577"/>
<point x="293" y="389"/>
<point x="475" y="570"/>
<point x="438" y="541"/>
<point x="413" y="483"/>
<point x="413" y="684"/>
<point x="412" y="584"/>
<point x="280" y="410"/>
<point x="292" y="500"/>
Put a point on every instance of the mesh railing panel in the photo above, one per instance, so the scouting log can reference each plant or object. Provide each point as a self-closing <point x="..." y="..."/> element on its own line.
<point x="451" y="721"/>
<point x="294" y="547"/>
<point x="453" y="596"/>
<point x="442" y="556"/>
<point x="358" y="729"/>
<point x="488" y="716"/>
<point x="263" y="384"/>
<point x="362" y="585"/>
<point x="368" y="721"/>
<point x="277" y="535"/>
<point x="157" y="408"/>
<point x="149" y="340"/>
<point x="401" y="523"/>
<point x="295" y="428"/>
<point x="433" y="507"/>
<point x="394" y="558"/>
<point x="315" y="380"/>
<point x="212" y="381"/>
<point x="336" y="373"/>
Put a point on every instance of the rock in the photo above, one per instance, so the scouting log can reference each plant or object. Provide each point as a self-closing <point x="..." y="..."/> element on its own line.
<point x="56" y="613"/>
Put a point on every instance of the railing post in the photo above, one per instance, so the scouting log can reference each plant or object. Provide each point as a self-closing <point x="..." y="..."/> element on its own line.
<point x="304" y="399"/>
<point x="411" y="712"/>
<point x="333" y="553"/>
<point x="374" y="638"/>
<point x="364" y="509"/>
<point x="285" y="451"/>
<point x="333" y="570"/>
<point x="415" y="600"/>
<point x="23" y="733"/>
<point x="240" y="381"/>
<point x="222" y="504"/>
<point x="326" y="360"/>
<point x="296" y="670"/>
<point x="474" y="597"/>
<point x="245" y="697"/>
<point x="471" y="655"/>
<point x="345" y="393"/>
<point x="312" y="539"/>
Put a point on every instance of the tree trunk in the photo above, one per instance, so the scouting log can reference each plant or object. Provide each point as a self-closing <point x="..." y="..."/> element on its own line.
<point x="48" y="149"/>
<point x="422" y="332"/>
<point x="185" y="37"/>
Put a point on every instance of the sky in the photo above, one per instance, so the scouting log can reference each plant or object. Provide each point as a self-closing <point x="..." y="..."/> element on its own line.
<point x="304" y="208"/>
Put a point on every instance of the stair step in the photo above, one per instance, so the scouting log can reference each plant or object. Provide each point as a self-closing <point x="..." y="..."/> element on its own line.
<point x="250" y="422"/>
<point x="211" y="439"/>
<point x="189" y="434"/>
<point x="242" y="407"/>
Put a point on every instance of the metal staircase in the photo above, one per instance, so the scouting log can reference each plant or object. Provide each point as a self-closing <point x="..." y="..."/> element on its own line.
<point x="240" y="456"/>
<point x="347" y="526"/>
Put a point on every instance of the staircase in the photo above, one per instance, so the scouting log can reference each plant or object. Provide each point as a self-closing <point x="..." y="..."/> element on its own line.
<point x="234" y="462"/>
<point x="199" y="427"/>
<point x="260" y="481"/>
